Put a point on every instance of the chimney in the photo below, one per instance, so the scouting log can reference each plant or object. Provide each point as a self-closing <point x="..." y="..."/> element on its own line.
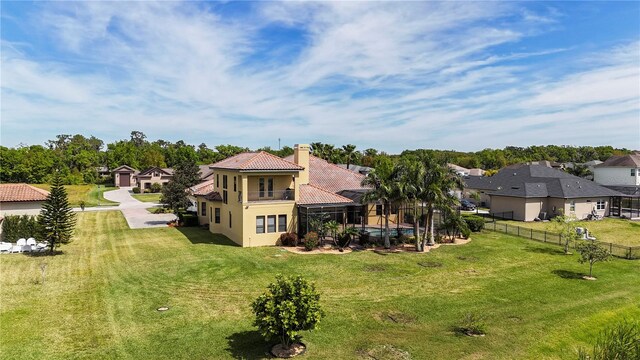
<point x="301" y="158"/>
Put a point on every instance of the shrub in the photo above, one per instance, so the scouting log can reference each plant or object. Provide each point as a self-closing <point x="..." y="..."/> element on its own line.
<point x="15" y="227"/>
<point x="311" y="241"/>
<point x="621" y="341"/>
<point x="136" y="190"/>
<point x="471" y="325"/>
<point x="156" y="187"/>
<point x="290" y="305"/>
<point x="289" y="239"/>
<point x="147" y="191"/>
<point x="365" y="238"/>
<point x="402" y="238"/>
<point x="465" y="232"/>
<point x="475" y="223"/>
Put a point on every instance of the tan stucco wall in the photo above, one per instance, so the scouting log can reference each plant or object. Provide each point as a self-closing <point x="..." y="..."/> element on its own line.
<point x="500" y="204"/>
<point x="585" y="206"/>
<point x="243" y="230"/>
<point x="528" y="209"/>
<point x="203" y="220"/>
<point x="143" y="180"/>
<point x="372" y="219"/>
<point x="20" y="208"/>
<point x="280" y="183"/>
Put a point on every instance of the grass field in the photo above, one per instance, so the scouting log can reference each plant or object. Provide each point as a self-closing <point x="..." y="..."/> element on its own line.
<point x="154" y="198"/>
<point x="100" y="297"/>
<point x="92" y="195"/>
<point x="617" y="231"/>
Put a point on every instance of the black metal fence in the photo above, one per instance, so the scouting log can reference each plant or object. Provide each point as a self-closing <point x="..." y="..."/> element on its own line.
<point x="493" y="223"/>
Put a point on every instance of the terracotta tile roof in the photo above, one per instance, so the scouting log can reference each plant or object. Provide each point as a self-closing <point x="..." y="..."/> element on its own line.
<point x="310" y="194"/>
<point x="205" y="171"/>
<point x="331" y="177"/>
<point x="256" y="161"/>
<point x="202" y="188"/>
<point x="21" y="192"/>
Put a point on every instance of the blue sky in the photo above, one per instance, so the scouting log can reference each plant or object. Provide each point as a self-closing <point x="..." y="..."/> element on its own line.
<point x="393" y="76"/>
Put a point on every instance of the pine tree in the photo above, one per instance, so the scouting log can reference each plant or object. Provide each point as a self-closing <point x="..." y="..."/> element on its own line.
<point x="56" y="218"/>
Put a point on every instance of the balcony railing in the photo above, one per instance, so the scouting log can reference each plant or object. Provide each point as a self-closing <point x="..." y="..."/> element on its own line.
<point x="275" y="195"/>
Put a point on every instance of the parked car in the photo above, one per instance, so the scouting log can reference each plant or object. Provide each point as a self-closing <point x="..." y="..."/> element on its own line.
<point x="467" y="205"/>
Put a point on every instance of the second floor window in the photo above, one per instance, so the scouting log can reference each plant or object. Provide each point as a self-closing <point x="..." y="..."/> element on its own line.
<point x="270" y="187"/>
<point x="225" y="198"/>
<point x="633" y="172"/>
<point x="235" y="184"/>
<point x="261" y="187"/>
<point x="224" y="181"/>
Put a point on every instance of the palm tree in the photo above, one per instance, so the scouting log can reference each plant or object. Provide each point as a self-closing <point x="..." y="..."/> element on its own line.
<point x="383" y="189"/>
<point x="348" y="152"/>
<point x="316" y="148"/>
<point x="439" y="184"/>
<point x="410" y="185"/>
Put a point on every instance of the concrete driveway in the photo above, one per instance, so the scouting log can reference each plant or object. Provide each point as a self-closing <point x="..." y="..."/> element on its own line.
<point x="133" y="210"/>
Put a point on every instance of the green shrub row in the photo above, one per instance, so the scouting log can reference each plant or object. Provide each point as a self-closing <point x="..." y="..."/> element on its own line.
<point x="15" y="227"/>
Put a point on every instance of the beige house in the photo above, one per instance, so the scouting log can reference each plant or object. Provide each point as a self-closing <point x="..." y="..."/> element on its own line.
<point x="21" y="199"/>
<point x="254" y="197"/>
<point x="125" y="176"/>
<point x="154" y="175"/>
<point x="528" y="192"/>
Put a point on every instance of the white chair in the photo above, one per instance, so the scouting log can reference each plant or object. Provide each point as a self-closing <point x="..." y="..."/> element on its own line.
<point x="31" y="241"/>
<point x="16" y="249"/>
<point x="21" y="242"/>
<point x="5" y="247"/>
<point x="41" y="247"/>
<point x="26" y="248"/>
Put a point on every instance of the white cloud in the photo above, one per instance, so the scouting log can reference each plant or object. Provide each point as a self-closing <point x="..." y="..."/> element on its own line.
<point x="385" y="75"/>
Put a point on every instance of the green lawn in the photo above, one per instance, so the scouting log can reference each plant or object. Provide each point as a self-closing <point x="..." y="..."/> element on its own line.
<point x="100" y="296"/>
<point x="617" y="231"/>
<point x="91" y="194"/>
<point x="154" y="198"/>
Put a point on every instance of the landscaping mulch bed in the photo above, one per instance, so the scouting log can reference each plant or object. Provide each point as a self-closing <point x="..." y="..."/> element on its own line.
<point x="294" y="350"/>
<point x="320" y="250"/>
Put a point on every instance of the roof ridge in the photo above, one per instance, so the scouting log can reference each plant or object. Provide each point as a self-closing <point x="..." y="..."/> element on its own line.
<point x="255" y="154"/>
<point x="337" y="167"/>
<point x="327" y="191"/>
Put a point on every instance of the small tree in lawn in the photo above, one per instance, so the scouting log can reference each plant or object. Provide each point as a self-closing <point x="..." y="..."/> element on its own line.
<point x="290" y="305"/>
<point x="591" y="253"/>
<point x="56" y="219"/>
<point x="566" y="225"/>
<point x="174" y="193"/>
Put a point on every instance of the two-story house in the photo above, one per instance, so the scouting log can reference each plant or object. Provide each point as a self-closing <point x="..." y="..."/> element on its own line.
<point x="622" y="174"/>
<point x="254" y="197"/>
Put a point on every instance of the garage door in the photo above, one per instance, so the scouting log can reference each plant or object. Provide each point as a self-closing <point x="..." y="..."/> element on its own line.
<point x="125" y="179"/>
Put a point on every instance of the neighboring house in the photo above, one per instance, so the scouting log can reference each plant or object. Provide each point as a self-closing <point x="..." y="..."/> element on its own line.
<point x="622" y="174"/>
<point x="254" y="197"/>
<point x="21" y="199"/>
<point x="538" y="191"/>
<point x="623" y="171"/>
<point x="154" y="175"/>
<point x="103" y="171"/>
<point x="125" y="176"/>
<point x="466" y="172"/>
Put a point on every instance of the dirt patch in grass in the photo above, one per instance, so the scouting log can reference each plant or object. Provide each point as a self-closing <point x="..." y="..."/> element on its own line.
<point x="396" y="317"/>
<point x="430" y="264"/>
<point x="467" y="258"/>
<point x="384" y="352"/>
<point x="375" y="268"/>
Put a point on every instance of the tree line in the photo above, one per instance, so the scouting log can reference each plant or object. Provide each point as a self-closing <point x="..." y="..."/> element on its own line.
<point x="77" y="157"/>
